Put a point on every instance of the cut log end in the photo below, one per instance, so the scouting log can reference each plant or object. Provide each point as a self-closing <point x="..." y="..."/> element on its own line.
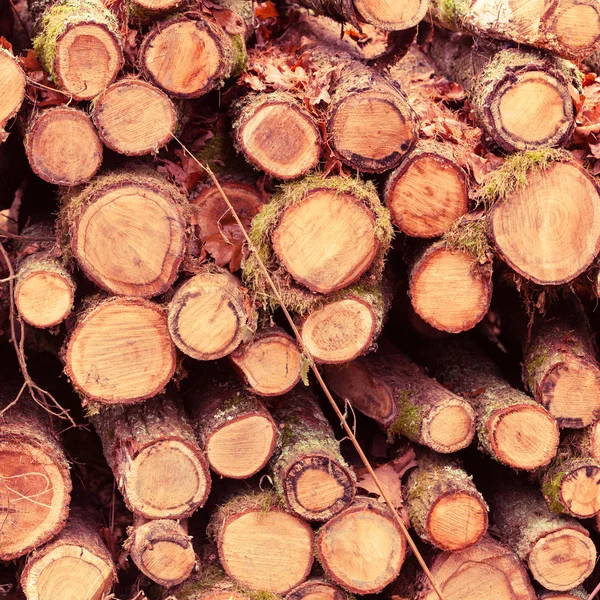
<point x="141" y="360"/>
<point x="63" y="147"/>
<point x="580" y="491"/>
<point x="13" y="88"/>
<point x="576" y="25"/>
<point x="449" y="426"/>
<point x="391" y="15"/>
<point x="155" y="6"/>
<point x="134" y="118"/>
<point x="316" y="589"/>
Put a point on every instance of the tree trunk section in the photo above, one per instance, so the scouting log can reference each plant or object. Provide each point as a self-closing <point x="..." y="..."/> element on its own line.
<point x="210" y="584"/>
<point x="578" y="593"/>
<point x="13" y="90"/>
<point x="317" y="588"/>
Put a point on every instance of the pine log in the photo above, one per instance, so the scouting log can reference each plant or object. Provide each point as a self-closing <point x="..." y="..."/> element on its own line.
<point x="511" y="427"/>
<point x="570" y="29"/>
<point x="134" y="117"/>
<point x="127" y="232"/>
<point x="73" y="566"/>
<point x="389" y="388"/>
<point x="162" y="550"/>
<point x="78" y="43"/>
<point x="270" y="363"/>
<point x="361" y="548"/>
<point x="141" y="360"/>
<point x="444" y="506"/>
<point x="557" y="549"/>
<point x="152" y="450"/>
<point x="210" y="315"/>
<point x="261" y="547"/>
<point x="317" y="588"/>
<point x="233" y="426"/>
<point x="36" y="484"/>
<point x="521" y="97"/>
<point x="310" y="474"/>
<point x="486" y="571"/>
<point x="545" y="223"/>
<point x="63" y="146"/>
<point x="13" y="90"/>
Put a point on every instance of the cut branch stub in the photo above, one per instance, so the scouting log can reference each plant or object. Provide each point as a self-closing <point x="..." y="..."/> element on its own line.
<point x="134" y="118"/>
<point x="141" y="360"/>
<point x="13" y="89"/>
<point x="127" y="232"/>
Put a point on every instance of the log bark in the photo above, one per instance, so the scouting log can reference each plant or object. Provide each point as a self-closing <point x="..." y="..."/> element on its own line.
<point x="144" y="10"/>
<point x="142" y="356"/>
<point x="310" y="474"/>
<point x="13" y="94"/>
<point x="68" y="33"/>
<point x="578" y="593"/>
<point x="570" y="29"/>
<point x="158" y="465"/>
<point x="210" y="584"/>
<point x="361" y="549"/>
<point x="127" y="231"/>
<point x="444" y="506"/>
<point x="261" y="547"/>
<point x="395" y="392"/>
<point x="317" y="588"/>
<point x="521" y="97"/>
<point x="76" y="564"/>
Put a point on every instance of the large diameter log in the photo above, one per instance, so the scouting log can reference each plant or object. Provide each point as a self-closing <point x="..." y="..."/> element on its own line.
<point x="444" y="506"/>
<point x="317" y="588"/>
<point x="36" y="485"/>
<point x="309" y="472"/>
<point x="13" y="90"/>
<point x="153" y="453"/>
<point x="486" y="571"/>
<point x="557" y="549"/>
<point x="395" y="392"/>
<point x="78" y="43"/>
<point x="75" y="565"/>
<point x="262" y="547"/>
<point x="120" y="351"/>
<point x="127" y="232"/>
<point x="361" y="548"/>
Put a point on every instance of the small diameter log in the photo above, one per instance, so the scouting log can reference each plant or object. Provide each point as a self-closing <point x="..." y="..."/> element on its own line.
<point x="570" y="29"/>
<point x="486" y="571"/>
<point x="444" y="506"/>
<point x="395" y="392"/>
<point x="557" y="549"/>
<point x="361" y="548"/>
<point x="158" y="465"/>
<point x="317" y="588"/>
<point x="162" y="550"/>
<point x="127" y="232"/>
<point x="233" y="427"/>
<point x="521" y="97"/>
<point x="144" y="9"/>
<point x="78" y="43"/>
<point x="262" y="547"/>
<point x="62" y="146"/>
<point x="270" y="363"/>
<point x="141" y="360"/>
<point x="540" y="198"/>
<point x="75" y="565"/>
<point x="511" y="427"/>
<point x="309" y="472"/>
<point x="13" y="90"/>
<point x="134" y="117"/>
<point x="210" y="314"/>
<point x="36" y="485"/>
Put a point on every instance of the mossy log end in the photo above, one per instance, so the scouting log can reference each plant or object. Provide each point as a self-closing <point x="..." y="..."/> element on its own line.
<point x="13" y="90"/>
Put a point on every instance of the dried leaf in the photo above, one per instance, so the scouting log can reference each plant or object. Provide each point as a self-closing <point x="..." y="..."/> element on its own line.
<point x="29" y="62"/>
<point x="389" y="479"/>
<point x="4" y="43"/>
<point x="266" y="10"/>
<point x="232" y="23"/>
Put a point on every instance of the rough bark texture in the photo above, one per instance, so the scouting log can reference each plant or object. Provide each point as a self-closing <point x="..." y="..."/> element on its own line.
<point x="210" y="584"/>
<point x="317" y="588"/>
<point x="13" y="81"/>
<point x="578" y="593"/>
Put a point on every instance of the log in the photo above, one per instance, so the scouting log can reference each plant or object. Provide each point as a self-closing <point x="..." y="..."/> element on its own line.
<point x="310" y="474"/>
<point x="511" y="427"/>
<point x="486" y="571"/>
<point x="63" y="146"/>
<point x="158" y="465"/>
<point x="142" y="356"/>
<point x="317" y="588"/>
<point x="134" y="118"/>
<point x="262" y="547"/>
<point x="578" y="593"/>
<point x="526" y="216"/>
<point x="361" y="549"/>
<point x="210" y="315"/>
<point x="389" y="388"/>
<point x="127" y="231"/>
<point x="521" y="97"/>
<point x="143" y="10"/>
<point x="444" y="506"/>
<point x="557" y="549"/>
<point x="570" y="29"/>
<point x="270" y="363"/>
<point x="78" y="44"/>
<point x="209" y="584"/>
<point x="75" y="565"/>
<point x="13" y="94"/>
<point x="36" y="484"/>
<point x="162" y="550"/>
<point x="233" y="427"/>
